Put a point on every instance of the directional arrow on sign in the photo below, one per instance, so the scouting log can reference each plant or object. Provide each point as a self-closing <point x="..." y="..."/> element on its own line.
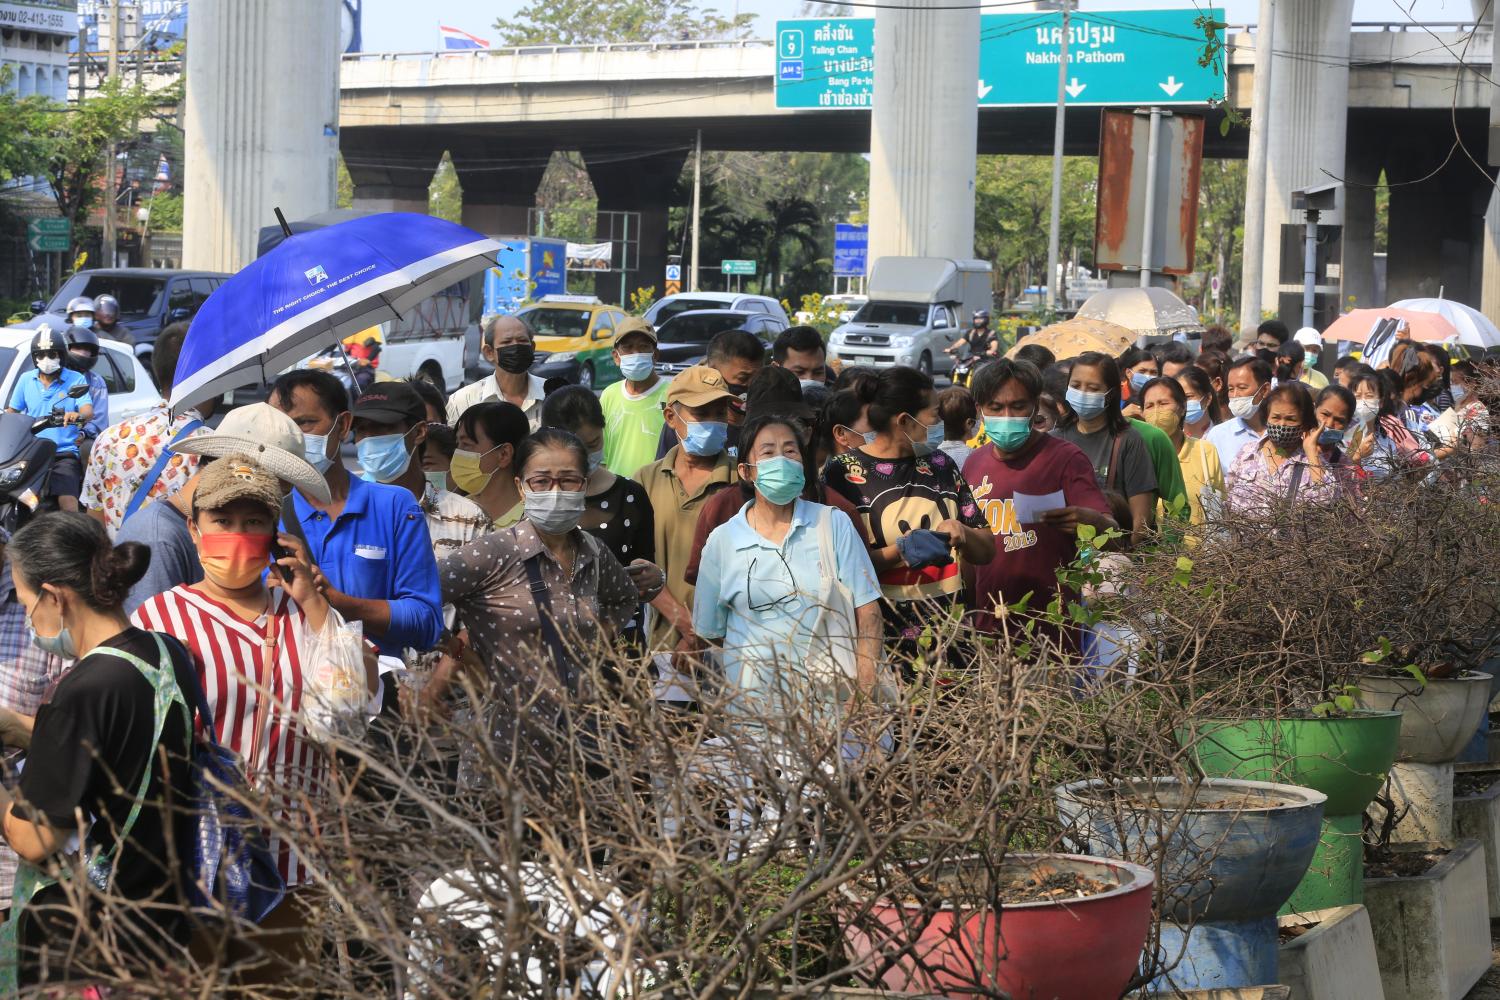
<point x="1171" y="86"/>
<point x="1074" y="88"/>
<point x="984" y="90"/>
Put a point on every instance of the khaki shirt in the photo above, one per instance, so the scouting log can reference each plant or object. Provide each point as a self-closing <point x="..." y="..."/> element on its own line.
<point x="676" y="515"/>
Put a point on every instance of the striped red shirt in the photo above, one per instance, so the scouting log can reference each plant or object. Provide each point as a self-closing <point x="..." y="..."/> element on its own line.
<point x="229" y="653"/>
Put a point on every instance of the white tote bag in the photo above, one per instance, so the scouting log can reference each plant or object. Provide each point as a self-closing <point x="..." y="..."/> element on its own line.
<point x="835" y="632"/>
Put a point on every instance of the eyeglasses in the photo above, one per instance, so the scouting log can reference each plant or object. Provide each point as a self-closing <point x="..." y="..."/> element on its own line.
<point x="541" y="484"/>
<point x="787" y="598"/>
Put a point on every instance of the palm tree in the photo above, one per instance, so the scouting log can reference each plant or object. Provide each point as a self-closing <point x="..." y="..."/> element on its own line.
<point x="794" y="221"/>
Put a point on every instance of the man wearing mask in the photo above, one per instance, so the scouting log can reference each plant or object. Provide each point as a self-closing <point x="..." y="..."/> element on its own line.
<point x="83" y="355"/>
<point x="1312" y="349"/>
<point x="801" y="351"/>
<point x="736" y="355"/>
<point x="507" y="344"/>
<point x="107" y="320"/>
<point x="45" y="388"/>
<point x="677" y="486"/>
<point x="81" y="312"/>
<point x="390" y="433"/>
<point x="632" y="407"/>
<point x="369" y="541"/>
<point x="1248" y="382"/>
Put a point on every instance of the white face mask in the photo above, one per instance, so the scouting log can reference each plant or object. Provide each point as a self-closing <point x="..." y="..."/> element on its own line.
<point x="1243" y="407"/>
<point x="554" y="511"/>
<point x="48" y="366"/>
<point x="1366" y="410"/>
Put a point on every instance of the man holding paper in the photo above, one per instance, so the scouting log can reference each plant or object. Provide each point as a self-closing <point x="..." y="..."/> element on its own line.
<point x="1033" y="489"/>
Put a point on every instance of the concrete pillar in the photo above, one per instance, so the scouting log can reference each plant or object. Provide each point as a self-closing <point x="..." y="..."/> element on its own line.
<point x="641" y="184"/>
<point x="260" y="122"/>
<point x="391" y="168"/>
<point x="1438" y="226"/>
<point x="1307" y="123"/>
<point x="923" y="130"/>
<point x="1364" y="161"/>
<point x="499" y="182"/>
<point x="1489" y="298"/>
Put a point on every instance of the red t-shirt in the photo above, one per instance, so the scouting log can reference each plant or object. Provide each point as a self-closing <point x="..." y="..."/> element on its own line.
<point x="721" y="508"/>
<point x="1027" y="556"/>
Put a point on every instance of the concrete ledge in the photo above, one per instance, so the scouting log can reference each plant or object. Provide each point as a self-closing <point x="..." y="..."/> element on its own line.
<point x="1335" y="959"/>
<point x="1423" y="797"/>
<point x="1235" y="993"/>
<point x="1478" y="817"/>
<point x="1432" y="932"/>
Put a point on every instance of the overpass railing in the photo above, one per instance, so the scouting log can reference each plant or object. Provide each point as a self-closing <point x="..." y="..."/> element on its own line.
<point x="545" y="50"/>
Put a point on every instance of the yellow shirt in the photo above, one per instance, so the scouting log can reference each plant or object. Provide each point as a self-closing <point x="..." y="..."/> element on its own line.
<point x="1200" y="468"/>
<point x="1314" y="379"/>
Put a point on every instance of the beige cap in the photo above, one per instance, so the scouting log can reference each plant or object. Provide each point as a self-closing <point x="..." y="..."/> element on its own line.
<point x="267" y="436"/>
<point x="237" y="477"/>
<point x="698" y="386"/>
<point x="634" y="324"/>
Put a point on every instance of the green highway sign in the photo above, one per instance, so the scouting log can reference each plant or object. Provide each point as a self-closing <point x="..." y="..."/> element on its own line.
<point x="47" y="242"/>
<point x="1124" y="57"/>
<point x="745" y="267"/>
<point x="51" y="226"/>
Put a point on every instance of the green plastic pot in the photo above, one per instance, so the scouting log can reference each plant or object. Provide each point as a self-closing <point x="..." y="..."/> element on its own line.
<point x="1345" y="757"/>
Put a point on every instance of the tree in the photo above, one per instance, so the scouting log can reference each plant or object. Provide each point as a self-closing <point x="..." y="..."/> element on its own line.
<point x="1012" y="214"/>
<point x="22" y="129"/>
<point x="445" y="197"/>
<point x="793" y="221"/>
<point x="1221" y="224"/>
<point x="595" y="22"/>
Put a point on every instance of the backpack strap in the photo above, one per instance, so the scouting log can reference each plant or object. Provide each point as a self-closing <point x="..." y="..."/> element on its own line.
<point x="138" y="498"/>
<point x="1291" y="493"/>
<point x="1112" y="471"/>
<point x="550" y="637"/>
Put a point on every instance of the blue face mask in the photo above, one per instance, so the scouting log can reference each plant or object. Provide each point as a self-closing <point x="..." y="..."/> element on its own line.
<point x="84" y="321"/>
<point x="932" y="441"/>
<point x="705" y="438"/>
<point x="1087" y="405"/>
<point x="636" y="367"/>
<point x="1194" y="412"/>
<point x="60" y="644"/>
<point x="1138" y="381"/>
<point x="779" y="479"/>
<point x="383" y="457"/>
<point x="1458" y="393"/>
<point x="1008" y="433"/>
<point x="1330" y="438"/>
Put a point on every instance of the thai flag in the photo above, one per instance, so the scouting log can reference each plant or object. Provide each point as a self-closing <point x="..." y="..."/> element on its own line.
<point x="455" y="39"/>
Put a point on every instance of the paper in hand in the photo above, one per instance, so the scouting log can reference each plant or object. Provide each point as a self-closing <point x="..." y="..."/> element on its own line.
<point x="1029" y="507"/>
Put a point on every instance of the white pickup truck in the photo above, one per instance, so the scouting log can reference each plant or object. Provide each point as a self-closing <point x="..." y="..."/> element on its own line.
<point x="429" y="341"/>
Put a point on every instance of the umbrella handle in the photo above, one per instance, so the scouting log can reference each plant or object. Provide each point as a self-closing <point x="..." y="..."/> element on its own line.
<point x="286" y="230"/>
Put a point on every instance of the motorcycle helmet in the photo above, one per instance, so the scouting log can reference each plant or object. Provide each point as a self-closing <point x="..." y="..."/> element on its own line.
<point x="81" y="311"/>
<point x="106" y="310"/>
<point x="47" y="346"/>
<point x="83" y="348"/>
<point x="981" y="316"/>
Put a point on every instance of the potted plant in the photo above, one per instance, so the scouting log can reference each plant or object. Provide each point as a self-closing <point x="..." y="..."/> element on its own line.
<point x="1036" y="925"/>
<point x="1230" y="854"/>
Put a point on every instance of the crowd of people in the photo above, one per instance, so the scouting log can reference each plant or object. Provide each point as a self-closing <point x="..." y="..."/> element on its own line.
<point x="759" y="525"/>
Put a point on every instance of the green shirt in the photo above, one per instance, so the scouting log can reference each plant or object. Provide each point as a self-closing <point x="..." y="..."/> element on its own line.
<point x="632" y="427"/>
<point x="1163" y="452"/>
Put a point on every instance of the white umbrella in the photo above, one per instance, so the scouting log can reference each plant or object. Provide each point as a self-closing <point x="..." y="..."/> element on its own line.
<point x="1474" y="327"/>
<point x="1146" y="312"/>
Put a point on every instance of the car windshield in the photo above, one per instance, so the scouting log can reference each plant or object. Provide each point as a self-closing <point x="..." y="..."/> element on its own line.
<point x="696" y="328"/>
<point x="893" y="313"/>
<point x="137" y="295"/>
<point x="679" y="306"/>
<point x="556" y="322"/>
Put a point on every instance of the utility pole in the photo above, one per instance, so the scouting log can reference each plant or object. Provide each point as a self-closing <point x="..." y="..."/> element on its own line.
<point x="1054" y="231"/>
<point x="1254" y="251"/>
<point x="113" y="73"/>
<point x="697" y="198"/>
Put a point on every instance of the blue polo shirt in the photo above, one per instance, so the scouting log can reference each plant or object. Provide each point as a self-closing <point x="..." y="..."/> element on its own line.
<point x="378" y="549"/>
<point x="99" y="396"/>
<point x="36" y="400"/>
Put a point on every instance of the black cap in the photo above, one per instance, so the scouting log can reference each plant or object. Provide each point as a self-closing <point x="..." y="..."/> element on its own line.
<point x="390" y="403"/>
<point x="773" y="389"/>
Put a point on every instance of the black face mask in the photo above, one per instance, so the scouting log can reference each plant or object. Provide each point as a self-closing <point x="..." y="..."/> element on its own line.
<point x="1432" y="392"/>
<point x="515" y="358"/>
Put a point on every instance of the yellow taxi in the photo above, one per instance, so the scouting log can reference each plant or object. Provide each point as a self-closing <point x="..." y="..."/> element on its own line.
<point x="575" y="338"/>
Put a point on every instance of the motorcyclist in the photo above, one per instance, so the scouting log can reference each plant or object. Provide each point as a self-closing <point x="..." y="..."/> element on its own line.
<point x="979" y="340"/>
<point x="41" y="390"/>
<point x="107" y="320"/>
<point x="83" y="355"/>
<point x="81" y="312"/>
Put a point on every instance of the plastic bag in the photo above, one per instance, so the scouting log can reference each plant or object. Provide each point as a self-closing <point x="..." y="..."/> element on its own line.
<point x="334" y="696"/>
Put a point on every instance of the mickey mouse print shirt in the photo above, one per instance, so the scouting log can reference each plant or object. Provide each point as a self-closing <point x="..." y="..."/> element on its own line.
<point x="895" y="496"/>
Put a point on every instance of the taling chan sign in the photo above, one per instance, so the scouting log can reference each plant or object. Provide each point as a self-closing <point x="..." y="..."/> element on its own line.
<point x="1120" y="215"/>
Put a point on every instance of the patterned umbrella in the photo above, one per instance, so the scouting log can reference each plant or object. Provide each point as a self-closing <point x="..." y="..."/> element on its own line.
<point x="1146" y="312"/>
<point x="1357" y="325"/>
<point x="1073" y="337"/>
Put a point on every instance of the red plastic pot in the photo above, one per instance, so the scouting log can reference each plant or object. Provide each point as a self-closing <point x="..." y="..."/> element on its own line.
<point x="1075" y="950"/>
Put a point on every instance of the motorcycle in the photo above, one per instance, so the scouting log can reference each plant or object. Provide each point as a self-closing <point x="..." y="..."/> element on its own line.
<point x="26" y="464"/>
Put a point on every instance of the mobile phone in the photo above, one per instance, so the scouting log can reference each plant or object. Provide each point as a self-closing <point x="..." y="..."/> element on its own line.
<point x="278" y="553"/>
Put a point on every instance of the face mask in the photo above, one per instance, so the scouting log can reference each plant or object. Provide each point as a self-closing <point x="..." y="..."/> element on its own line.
<point x="1330" y="438"/>
<point x="1008" y="433"/>
<point x="930" y="442"/>
<point x="810" y="383"/>
<point x="1284" y="436"/>
<point x="1165" y="418"/>
<point x="706" y="437"/>
<point x="48" y="366"/>
<point x="1194" y="412"/>
<point x="1138" y="381"/>
<point x="60" y="644"/>
<point x="1087" y="405"/>
<point x="233" y="559"/>
<point x="437" y="479"/>
<point x="1432" y="392"/>
<point x="86" y="322"/>
<point x="383" y="457"/>
<point x="315" y="450"/>
<point x="1458" y="393"/>
<point x="554" y="511"/>
<point x="636" y="367"/>
<point x="466" y="472"/>
<point x="596" y="459"/>
<point x="779" y="479"/>
<point x="515" y="358"/>
<point x="1243" y="406"/>
<point x="868" y="436"/>
<point x="1312" y="359"/>
<point x="1366" y="410"/>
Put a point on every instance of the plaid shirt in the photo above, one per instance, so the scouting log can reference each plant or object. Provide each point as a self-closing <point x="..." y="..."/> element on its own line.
<point x="27" y="676"/>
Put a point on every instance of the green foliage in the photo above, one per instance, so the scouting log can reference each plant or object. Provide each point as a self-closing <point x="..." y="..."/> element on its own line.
<point x="343" y="185"/>
<point x="642" y="299"/>
<point x="594" y="22"/>
<point x="445" y="197"/>
<point x="1012" y="215"/>
<point x="1221" y="228"/>
<point x="821" y="314"/>
<point x="23" y="129"/>
<point x="166" y="213"/>
<point x="1344" y="701"/>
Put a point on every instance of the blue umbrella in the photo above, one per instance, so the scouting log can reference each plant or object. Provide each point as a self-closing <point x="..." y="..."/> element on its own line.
<point x="314" y="289"/>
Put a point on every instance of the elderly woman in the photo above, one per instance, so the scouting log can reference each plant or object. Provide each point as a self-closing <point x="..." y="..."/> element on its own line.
<point x="1288" y="464"/>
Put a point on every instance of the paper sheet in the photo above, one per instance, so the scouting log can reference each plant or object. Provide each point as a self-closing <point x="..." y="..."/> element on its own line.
<point x="1029" y="507"/>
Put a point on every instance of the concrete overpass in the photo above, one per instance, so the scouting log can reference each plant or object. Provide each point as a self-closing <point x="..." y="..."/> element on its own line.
<point x="634" y="112"/>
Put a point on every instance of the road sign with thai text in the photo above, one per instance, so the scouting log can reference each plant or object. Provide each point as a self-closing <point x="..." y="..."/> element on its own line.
<point x="1115" y="57"/>
<point x="48" y="235"/>
<point x="745" y="267"/>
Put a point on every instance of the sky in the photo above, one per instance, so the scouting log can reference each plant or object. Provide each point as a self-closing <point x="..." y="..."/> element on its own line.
<point x="404" y="26"/>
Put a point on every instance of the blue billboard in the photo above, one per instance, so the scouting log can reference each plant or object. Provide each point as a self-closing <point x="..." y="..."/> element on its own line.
<point x="851" y="250"/>
<point x="528" y="269"/>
